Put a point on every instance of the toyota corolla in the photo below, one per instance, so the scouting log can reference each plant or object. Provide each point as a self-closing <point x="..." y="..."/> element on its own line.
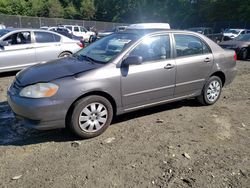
<point x="120" y="73"/>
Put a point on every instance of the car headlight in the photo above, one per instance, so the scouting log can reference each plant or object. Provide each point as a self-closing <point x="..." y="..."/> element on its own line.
<point x="39" y="90"/>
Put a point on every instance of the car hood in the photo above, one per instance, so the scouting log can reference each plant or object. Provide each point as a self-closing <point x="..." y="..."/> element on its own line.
<point x="235" y="43"/>
<point x="53" y="70"/>
<point x="102" y="34"/>
<point x="230" y="35"/>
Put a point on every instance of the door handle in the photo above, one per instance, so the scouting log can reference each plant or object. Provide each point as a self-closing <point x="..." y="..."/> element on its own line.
<point x="169" y="66"/>
<point x="29" y="48"/>
<point x="207" y="60"/>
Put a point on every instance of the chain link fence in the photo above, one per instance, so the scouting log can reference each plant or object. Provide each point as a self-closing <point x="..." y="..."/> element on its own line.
<point x="37" y="22"/>
<point x="218" y="26"/>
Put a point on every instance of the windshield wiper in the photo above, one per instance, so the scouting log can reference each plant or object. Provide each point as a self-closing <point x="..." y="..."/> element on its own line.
<point x="89" y="59"/>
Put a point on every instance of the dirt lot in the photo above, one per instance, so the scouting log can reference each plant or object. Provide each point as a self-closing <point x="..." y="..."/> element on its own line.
<point x="189" y="146"/>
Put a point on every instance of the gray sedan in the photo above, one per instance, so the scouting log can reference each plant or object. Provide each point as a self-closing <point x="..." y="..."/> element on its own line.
<point x="20" y="48"/>
<point x="121" y="73"/>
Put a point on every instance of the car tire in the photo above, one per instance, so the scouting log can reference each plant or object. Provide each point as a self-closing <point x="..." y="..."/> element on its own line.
<point x="91" y="116"/>
<point x="243" y="54"/>
<point x="92" y="38"/>
<point x="65" y="54"/>
<point x="211" y="91"/>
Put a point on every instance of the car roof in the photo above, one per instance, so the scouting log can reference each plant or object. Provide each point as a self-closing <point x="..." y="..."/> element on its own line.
<point x="142" y="32"/>
<point x="29" y="29"/>
<point x="149" y="26"/>
<point x="26" y="29"/>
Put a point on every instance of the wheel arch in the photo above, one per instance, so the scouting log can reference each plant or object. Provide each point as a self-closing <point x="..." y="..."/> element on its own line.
<point x="99" y="93"/>
<point x="221" y="75"/>
<point x="66" y="51"/>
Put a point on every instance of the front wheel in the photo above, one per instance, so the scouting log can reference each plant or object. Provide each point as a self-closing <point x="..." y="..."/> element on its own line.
<point x="91" y="116"/>
<point x="211" y="91"/>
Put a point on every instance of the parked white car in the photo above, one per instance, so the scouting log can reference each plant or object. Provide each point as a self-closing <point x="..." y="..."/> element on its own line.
<point x="21" y="48"/>
<point x="80" y="32"/>
<point x="233" y="33"/>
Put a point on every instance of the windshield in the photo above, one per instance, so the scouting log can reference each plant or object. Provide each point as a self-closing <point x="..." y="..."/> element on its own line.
<point x="234" y="31"/>
<point x="245" y="37"/>
<point x="106" y="49"/>
<point x="3" y="32"/>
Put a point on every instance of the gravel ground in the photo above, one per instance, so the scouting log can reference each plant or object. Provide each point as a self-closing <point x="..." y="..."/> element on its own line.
<point x="181" y="144"/>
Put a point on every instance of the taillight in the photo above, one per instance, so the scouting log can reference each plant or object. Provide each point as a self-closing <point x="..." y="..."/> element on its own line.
<point x="235" y="56"/>
<point x="81" y="44"/>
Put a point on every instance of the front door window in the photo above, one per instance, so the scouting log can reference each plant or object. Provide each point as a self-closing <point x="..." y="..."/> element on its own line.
<point x="18" y="38"/>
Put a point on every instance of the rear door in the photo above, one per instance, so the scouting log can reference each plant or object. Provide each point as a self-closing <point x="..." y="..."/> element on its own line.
<point x="194" y="61"/>
<point x="152" y="81"/>
<point x="47" y="46"/>
<point x="19" y="51"/>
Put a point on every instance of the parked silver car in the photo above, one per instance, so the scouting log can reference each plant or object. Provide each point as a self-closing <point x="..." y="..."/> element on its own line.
<point x="121" y="73"/>
<point x="20" y="48"/>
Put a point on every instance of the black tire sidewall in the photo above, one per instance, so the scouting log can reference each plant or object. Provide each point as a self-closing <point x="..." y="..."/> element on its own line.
<point x="62" y="54"/>
<point x="78" y="107"/>
<point x="244" y="53"/>
<point x="90" y="39"/>
<point x="204" y="93"/>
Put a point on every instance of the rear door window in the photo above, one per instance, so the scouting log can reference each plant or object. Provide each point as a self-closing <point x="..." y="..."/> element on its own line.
<point x="76" y="29"/>
<point x="188" y="45"/>
<point x="44" y="37"/>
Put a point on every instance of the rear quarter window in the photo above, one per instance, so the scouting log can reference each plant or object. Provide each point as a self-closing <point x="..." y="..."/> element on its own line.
<point x="57" y="38"/>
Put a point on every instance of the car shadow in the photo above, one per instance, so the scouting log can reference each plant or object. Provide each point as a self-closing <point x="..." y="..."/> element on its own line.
<point x="8" y="74"/>
<point x="14" y="133"/>
<point x="157" y="109"/>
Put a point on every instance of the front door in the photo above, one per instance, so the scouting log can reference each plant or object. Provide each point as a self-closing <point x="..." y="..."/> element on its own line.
<point x="152" y="81"/>
<point x="18" y="52"/>
<point x="194" y="61"/>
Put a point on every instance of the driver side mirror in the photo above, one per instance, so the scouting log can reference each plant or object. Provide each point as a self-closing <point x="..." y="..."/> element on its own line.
<point x="132" y="60"/>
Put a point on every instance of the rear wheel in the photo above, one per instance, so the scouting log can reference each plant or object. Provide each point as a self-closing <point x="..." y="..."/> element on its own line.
<point x="65" y="54"/>
<point x="243" y="54"/>
<point x="211" y="91"/>
<point x="91" y="39"/>
<point x="91" y="116"/>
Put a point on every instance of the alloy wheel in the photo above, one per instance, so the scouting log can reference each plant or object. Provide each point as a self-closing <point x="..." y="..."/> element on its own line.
<point x="213" y="91"/>
<point x="93" y="117"/>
